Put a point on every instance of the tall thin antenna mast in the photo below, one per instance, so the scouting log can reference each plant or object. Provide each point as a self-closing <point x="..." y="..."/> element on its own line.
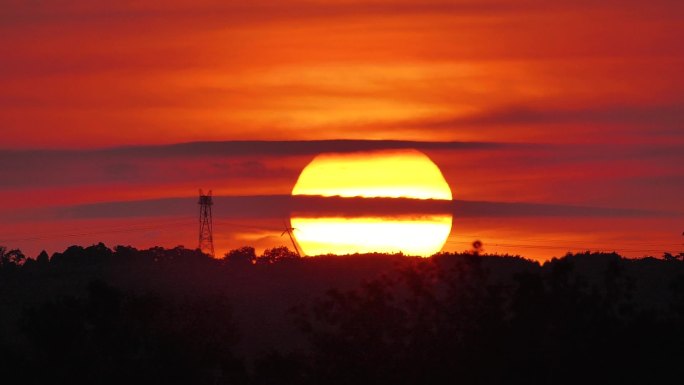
<point x="289" y="230"/>
<point x="206" y="233"/>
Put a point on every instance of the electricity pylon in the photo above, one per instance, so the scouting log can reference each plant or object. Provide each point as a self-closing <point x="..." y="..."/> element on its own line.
<point x="206" y="233"/>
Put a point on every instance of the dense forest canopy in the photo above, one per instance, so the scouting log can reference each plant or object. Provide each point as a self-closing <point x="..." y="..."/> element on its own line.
<point x="98" y="315"/>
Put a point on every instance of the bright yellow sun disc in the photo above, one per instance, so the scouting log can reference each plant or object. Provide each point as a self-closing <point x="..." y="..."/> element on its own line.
<point x="389" y="174"/>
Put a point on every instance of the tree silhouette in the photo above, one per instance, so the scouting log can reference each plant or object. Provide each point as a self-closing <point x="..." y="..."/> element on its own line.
<point x="11" y="259"/>
<point x="243" y="255"/>
<point x="43" y="258"/>
<point x="277" y="254"/>
<point x="478" y="247"/>
<point x="672" y="258"/>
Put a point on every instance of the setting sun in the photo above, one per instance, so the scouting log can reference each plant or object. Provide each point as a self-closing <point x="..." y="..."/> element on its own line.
<point x="388" y="174"/>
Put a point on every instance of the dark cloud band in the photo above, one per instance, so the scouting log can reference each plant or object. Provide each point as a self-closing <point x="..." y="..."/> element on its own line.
<point x="282" y="206"/>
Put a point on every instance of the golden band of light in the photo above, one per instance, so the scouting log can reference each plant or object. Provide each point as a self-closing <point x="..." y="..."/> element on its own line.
<point x="365" y="235"/>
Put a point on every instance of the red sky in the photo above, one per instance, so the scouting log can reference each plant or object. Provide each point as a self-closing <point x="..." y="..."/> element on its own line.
<point x="584" y="101"/>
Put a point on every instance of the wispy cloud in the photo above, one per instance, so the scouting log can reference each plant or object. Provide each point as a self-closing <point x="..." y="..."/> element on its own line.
<point x="243" y="11"/>
<point x="656" y="117"/>
<point x="228" y="159"/>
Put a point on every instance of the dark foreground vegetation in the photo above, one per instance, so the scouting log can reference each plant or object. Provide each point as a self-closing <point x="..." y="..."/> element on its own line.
<point x="174" y="316"/>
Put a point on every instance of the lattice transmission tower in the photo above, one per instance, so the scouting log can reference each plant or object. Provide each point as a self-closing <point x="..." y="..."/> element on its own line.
<point x="206" y="233"/>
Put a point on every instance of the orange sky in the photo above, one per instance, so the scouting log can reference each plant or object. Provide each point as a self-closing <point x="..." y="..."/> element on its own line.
<point x="585" y="99"/>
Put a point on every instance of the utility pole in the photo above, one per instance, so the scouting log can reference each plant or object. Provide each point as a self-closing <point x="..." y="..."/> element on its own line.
<point x="206" y="233"/>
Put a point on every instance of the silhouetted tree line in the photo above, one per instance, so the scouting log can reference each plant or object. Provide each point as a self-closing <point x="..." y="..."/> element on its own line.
<point x="247" y="255"/>
<point x="447" y="320"/>
<point x="110" y="316"/>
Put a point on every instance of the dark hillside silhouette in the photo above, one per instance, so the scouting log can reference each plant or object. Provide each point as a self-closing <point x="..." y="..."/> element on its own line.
<point x="109" y="316"/>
